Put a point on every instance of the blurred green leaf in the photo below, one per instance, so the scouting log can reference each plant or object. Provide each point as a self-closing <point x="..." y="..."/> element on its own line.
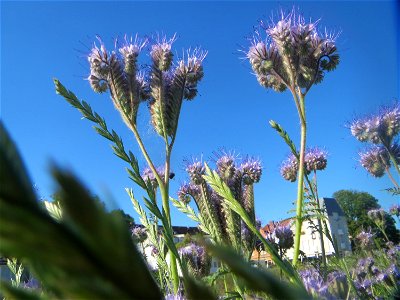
<point x="89" y="254"/>
<point x="256" y="279"/>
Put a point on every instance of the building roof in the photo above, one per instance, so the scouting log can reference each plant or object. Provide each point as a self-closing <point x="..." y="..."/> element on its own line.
<point x="332" y="206"/>
<point x="272" y="225"/>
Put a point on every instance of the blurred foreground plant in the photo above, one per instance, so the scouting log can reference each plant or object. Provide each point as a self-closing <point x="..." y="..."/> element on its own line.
<point x="294" y="55"/>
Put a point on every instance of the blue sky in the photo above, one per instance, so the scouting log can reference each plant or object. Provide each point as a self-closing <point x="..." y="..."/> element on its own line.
<point x="42" y="40"/>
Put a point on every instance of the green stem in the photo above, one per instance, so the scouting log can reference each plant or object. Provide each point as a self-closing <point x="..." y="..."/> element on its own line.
<point x="392" y="158"/>
<point x="300" y="178"/>
<point x="391" y="177"/>
<point x="321" y="236"/>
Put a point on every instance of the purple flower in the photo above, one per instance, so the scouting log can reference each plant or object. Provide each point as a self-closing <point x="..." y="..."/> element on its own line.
<point x="251" y="170"/>
<point x="196" y="171"/>
<point x="315" y="159"/>
<point x="188" y="191"/>
<point x="289" y="168"/>
<point x="198" y="261"/>
<point x="375" y="160"/>
<point x="291" y="39"/>
<point x="226" y="166"/>
<point x="378" y="128"/>
<point x="365" y="239"/>
<point x="285" y="237"/>
<point x="161" y="53"/>
<point x="172" y="296"/>
<point x="130" y="51"/>
<point x="314" y="282"/>
<point x="139" y="234"/>
<point x="148" y="174"/>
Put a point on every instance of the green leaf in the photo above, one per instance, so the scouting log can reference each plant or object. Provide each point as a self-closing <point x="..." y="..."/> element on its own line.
<point x="10" y="292"/>
<point x="257" y="279"/>
<point x="285" y="137"/>
<point x="89" y="254"/>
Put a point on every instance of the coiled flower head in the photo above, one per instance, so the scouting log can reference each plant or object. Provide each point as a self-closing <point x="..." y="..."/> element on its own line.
<point x="315" y="159"/>
<point x="196" y="170"/>
<point x="293" y="53"/>
<point x="130" y="52"/>
<point x="378" y="128"/>
<point x="148" y="175"/>
<point x="284" y="235"/>
<point x="191" y="68"/>
<point x="188" y="191"/>
<point x="161" y="52"/>
<point x="375" y="160"/>
<point x="198" y="261"/>
<point x="289" y="168"/>
<point x="251" y="170"/>
<point x="226" y="166"/>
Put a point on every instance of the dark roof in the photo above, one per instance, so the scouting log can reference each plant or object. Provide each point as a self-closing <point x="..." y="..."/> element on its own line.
<point x="184" y="230"/>
<point x="332" y="206"/>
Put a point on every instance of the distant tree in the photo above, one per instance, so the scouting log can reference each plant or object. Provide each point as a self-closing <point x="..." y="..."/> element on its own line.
<point x="355" y="206"/>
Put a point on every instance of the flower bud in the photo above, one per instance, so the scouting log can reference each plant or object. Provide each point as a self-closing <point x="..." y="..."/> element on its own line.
<point x="251" y="171"/>
<point x="315" y="159"/>
<point x="161" y="53"/>
<point x="196" y="171"/>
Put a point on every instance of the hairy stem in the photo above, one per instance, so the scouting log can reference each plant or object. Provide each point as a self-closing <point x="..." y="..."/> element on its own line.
<point x="391" y="177"/>
<point x="300" y="177"/>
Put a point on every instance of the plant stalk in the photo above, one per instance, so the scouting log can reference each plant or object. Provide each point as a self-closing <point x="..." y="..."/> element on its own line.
<point x="300" y="177"/>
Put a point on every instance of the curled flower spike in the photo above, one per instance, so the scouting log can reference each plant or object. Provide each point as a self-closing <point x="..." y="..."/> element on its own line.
<point x="109" y="71"/>
<point x="379" y="128"/>
<point x="375" y="160"/>
<point x="196" y="171"/>
<point x="294" y="53"/>
<point x="285" y="236"/>
<point x="251" y="170"/>
<point x="188" y="191"/>
<point x="226" y="166"/>
<point x="191" y="68"/>
<point x="315" y="159"/>
<point x="130" y="51"/>
<point x="148" y="174"/>
<point x="289" y="168"/>
<point x="161" y="53"/>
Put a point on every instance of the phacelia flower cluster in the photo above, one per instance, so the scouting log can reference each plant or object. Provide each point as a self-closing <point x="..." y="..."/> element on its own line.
<point x="221" y="222"/>
<point x="375" y="160"/>
<point x="139" y="234"/>
<point x="365" y="239"/>
<point x="198" y="261"/>
<point x="378" y="128"/>
<point x="315" y="159"/>
<point x="293" y="53"/>
<point x="284" y="236"/>
<point x="148" y="175"/>
<point x="166" y="84"/>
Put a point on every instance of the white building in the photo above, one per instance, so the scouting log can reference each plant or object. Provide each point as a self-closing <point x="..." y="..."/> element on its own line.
<point x="310" y="243"/>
